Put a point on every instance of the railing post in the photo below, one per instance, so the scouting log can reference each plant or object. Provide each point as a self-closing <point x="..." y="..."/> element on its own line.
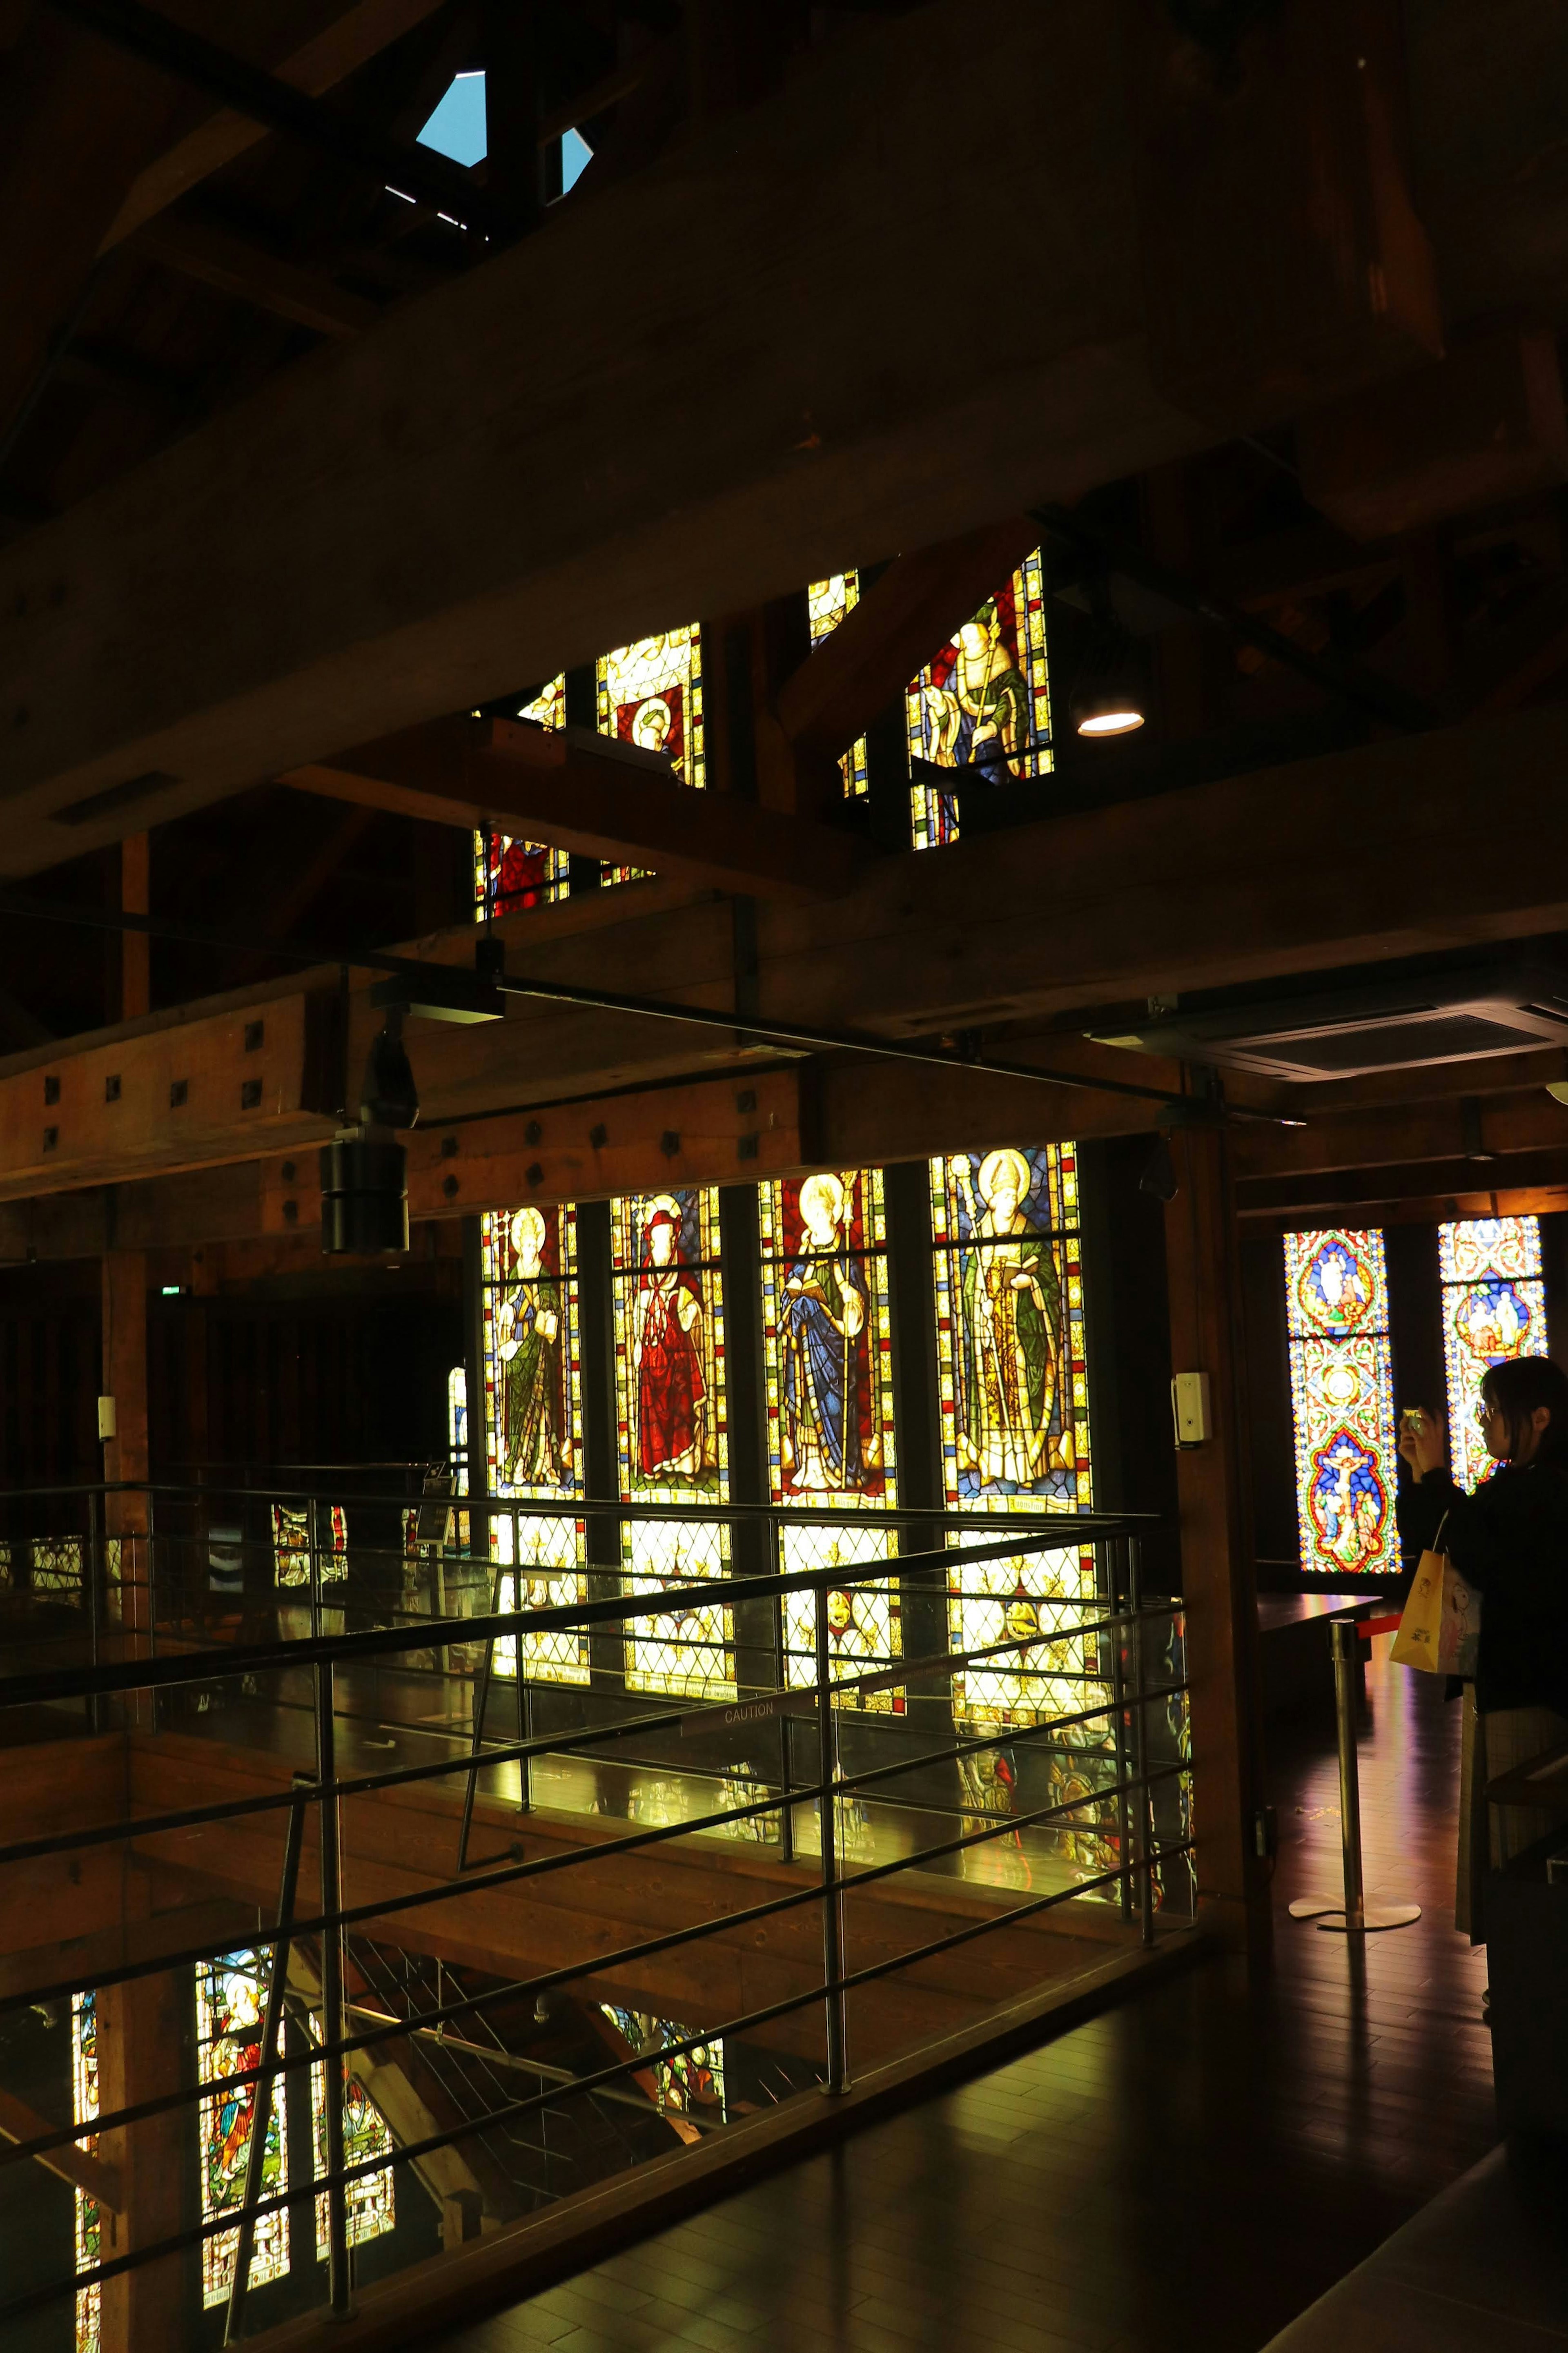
<point x="781" y="1680"/>
<point x="93" y="1577"/>
<point x="315" y="1558"/>
<point x="1110" y="1592"/>
<point x="1143" y="1845"/>
<point x="271" y="2029"/>
<point x="339" y="2289"/>
<point x="832" y="1901"/>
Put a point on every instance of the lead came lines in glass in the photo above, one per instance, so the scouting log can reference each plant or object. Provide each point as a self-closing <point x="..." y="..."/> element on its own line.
<point x="1494" y="1308"/>
<point x="650" y="694"/>
<point x="523" y="873"/>
<point x="1342" y="1396"/>
<point x="982" y="699"/>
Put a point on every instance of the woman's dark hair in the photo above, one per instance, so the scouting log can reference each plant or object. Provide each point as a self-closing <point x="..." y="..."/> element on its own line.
<point x="1516" y="1388"/>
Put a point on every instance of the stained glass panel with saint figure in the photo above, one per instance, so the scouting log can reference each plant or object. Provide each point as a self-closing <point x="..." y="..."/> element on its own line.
<point x="827" y="602"/>
<point x="828" y="1380"/>
<point x="983" y="702"/>
<point x="231" y="1994"/>
<point x="534" y="1423"/>
<point x="672" y="1433"/>
<point x="371" y="2205"/>
<point x="1010" y="1347"/>
<point x="1342" y="1396"/>
<point x="509" y="872"/>
<point x="691" y="2083"/>
<point x="1494" y="1307"/>
<point x="650" y="694"/>
<point x="89" y="2221"/>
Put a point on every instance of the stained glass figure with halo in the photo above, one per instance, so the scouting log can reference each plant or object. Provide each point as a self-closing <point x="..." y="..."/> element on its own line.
<point x="828" y="1376"/>
<point x="1342" y="1395"/>
<point x="509" y="872"/>
<point x="1494" y="1308"/>
<point x="984" y="701"/>
<point x="533" y="1424"/>
<point x="672" y="1430"/>
<point x="231" y="1994"/>
<point x="650" y="694"/>
<point x="88" y="2219"/>
<point x="370" y="2197"/>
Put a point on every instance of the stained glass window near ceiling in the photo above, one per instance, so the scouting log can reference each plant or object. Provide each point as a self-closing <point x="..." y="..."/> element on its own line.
<point x="509" y="872"/>
<point x="829" y="1374"/>
<point x="88" y="2221"/>
<point x="1014" y="1401"/>
<point x="983" y="702"/>
<point x="672" y="1435"/>
<point x="291" y="1543"/>
<point x="1494" y="1307"/>
<point x="827" y="602"/>
<point x="533" y="1424"/>
<point x="1342" y="1400"/>
<point x="693" y="2081"/>
<point x="650" y="694"/>
<point x="370" y="2199"/>
<point x="231" y="1994"/>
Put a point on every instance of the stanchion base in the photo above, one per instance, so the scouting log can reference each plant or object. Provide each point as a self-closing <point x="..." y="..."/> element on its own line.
<point x="1329" y="1912"/>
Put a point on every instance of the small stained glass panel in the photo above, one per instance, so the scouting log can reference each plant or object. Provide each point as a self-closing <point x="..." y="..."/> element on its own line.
<point x="1342" y="1395"/>
<point x="291" y="1543"/>
<point x="688" y="1650"/>
<point x="671" y="1425"/>
<point x="691" y="2083"/>
<point x="550" y="1552"/>
<point x="829" y="602"/>
<point x="864" y="1632"/>
<point x="89" y="2220"/>
<point x="1013" y="1384"/>
<point x="650" y="694"/>
<point x="230" y="1997"/>
<point x="1032" y="1606"/>
<point x="371" y="2200"/>
<point x="534" y="1423"/>
<point x="827" y="1340"/>
<point x="984" y="702"/>
<point x="511" y="873"/>
<point x="1494" y="1307"/>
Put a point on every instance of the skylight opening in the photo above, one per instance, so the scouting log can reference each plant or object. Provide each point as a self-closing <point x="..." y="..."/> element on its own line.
<point x="459" y="129"/>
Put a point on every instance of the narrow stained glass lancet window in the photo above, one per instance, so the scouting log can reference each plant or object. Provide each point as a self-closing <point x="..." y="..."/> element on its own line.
<point x="518" y="873"/>
<point x="983" y="702"/>
<point x="88" y="2221"/>
<point x="672" y="1434"/>
<point x="827" y="1346"/>
<point x="371" y="2205"/>
<point x="1342" y="1397"/>
<point x="533" y="1424"/>
<point x="231" y="1994"/>
<point x="827" y="602"/>
<point x="1494" y="1307"/>
<point x="650" y="694"/>
<point x="1014" y="1402"/>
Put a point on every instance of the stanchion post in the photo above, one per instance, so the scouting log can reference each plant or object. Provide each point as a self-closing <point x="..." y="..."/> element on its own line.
<point x="1352" y="1916"/>
<point x="340" y="2292"/>
<point x="832" y="1902"/>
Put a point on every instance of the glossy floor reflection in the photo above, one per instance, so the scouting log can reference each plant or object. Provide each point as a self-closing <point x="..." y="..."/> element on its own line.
<point x="1188" y="2171"/>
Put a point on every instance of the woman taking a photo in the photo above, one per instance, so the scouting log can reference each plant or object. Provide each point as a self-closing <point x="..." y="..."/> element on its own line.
<point x="1509" y="1540"/>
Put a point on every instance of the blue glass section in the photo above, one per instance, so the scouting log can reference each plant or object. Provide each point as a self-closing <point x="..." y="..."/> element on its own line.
<point x="575" y="152"/>
<point x="457" y="126"/>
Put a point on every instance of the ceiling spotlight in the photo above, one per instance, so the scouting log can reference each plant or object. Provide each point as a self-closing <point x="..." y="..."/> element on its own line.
<point x="1106" y="708"/>
<point x="365" y="1171"/>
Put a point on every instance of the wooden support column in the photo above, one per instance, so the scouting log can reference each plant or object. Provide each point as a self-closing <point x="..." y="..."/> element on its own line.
<point x="140" y="2056"/>
<point x="125" y="1454"/>
<point x="1218" y="1569"/>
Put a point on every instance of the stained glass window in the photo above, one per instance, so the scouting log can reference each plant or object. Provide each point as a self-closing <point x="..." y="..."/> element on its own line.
<point x="57" y="1563"/>
<point x="1012" y="1395"/>
<point x="231" y="1995"/>
<point x="692" y="2082"/>
<point x="829" y="1358"/>
<point x="650" y="693"/>
<point x="370" y="2204"/>
<point x="509" y="872"/>
<point x="89" y="2223"/>
<point x="983" y="702"/>
<point x="827" y="602"/>
<point x="1494" y="1307"/>
<point x="534" y="1423"/>
<point x="291" y="1543"/>
<point x="1342" y="1395"/>
<point x="672" y="1434"/>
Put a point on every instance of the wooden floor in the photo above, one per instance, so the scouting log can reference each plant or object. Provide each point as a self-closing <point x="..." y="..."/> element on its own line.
<point x="1188" y="2171"/>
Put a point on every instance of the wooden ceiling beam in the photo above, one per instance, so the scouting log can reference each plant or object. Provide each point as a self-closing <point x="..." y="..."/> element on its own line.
<point x="1476" y="1127"/>
<point x="233" y="265"/>
<point x="611" y="480"/>
<point x="1333" y="1192"/>
<point x="579" y="791"/>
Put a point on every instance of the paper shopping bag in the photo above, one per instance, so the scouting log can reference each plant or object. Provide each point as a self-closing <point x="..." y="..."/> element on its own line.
<point x="1461" y="1633"/>
<point x="1419" y="1641"/>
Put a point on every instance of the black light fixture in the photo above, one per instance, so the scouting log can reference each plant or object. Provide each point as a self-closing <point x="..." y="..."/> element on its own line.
<point x="364" y="1170"/>
<point x="1105" y="699"/>
<point x="1159" y="1177"/>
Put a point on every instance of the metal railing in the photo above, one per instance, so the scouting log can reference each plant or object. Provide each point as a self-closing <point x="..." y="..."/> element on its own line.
<point x="1088" y="1683"/>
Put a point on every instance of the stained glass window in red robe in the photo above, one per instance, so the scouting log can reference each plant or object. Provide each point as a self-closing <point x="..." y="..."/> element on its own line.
<point x="983" y="703"/>
<point x="650" y="694"/>
<point x="672" y="1434"/>
<point x="509" y="872"/>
